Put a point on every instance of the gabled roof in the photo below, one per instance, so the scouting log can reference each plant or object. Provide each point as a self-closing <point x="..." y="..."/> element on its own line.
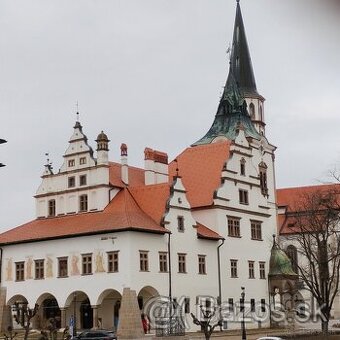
<point x="201" y="168"/>
<point x="123" y="213"/>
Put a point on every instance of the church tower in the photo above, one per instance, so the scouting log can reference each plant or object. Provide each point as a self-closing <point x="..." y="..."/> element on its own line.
<point x="240" y="104"/>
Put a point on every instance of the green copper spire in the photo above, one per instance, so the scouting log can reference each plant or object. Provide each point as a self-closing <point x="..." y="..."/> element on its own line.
<point x="280" y="264"/>
<point x="232" y="110"/>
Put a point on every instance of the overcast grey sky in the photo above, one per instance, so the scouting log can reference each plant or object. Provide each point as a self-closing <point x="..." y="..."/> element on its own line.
<point x="150" y="73"/>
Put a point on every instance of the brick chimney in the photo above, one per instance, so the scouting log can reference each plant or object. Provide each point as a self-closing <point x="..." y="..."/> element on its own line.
<point x="124" y="162"/>
<point x="156" y="166"/>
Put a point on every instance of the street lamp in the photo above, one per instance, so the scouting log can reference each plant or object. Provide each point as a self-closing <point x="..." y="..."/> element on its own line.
<point x="243" y="325"/>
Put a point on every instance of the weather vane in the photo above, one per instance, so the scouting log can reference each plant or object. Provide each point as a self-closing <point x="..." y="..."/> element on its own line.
<point x="77" y="112"/>
<point x="48" y="163"/>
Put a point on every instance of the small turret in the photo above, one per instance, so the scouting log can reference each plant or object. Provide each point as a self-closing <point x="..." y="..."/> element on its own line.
<point x="102" y="148"/>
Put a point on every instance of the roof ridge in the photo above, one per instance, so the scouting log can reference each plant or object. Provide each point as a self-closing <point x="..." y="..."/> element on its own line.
<point x="309" y="186"/>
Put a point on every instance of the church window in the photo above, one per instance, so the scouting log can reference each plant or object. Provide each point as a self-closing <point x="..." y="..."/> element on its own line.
<point x="71" y="163"/>
<point x="243" y="167"/>
<point x="62" y="267"/>
<point x="202" y="268"/>
<point x="51" y="208"/>
<point x="180" y="223"/>
<point x="182" y="263"/>
<point x="39" y="269"/>
<point x="82" y="160"/>
<point x="262" y="266"/>
<point x="252" y="111"/>
<point x="293" y="256"/>
<point x="71" y="182"/>
<point x="233" y="268"/>
<point x="233" y="226"/>
<point x="87" y="264"/>
<point x="82" y="180"/>
<point x="143" y="261"/>
<point x="83" y="203"/>
<point x="163" y="262"/>
<point x="112" y="262"/>
<point x="256" y="230"/>
<point x="261" y="113"/>
<point x="263" y="178"/>
<point x="243" y="196"/>
<point x="251" y="270"/>
<point x="19" y="271"/>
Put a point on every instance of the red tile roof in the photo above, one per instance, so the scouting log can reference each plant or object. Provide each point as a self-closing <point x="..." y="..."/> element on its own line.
<point x="123" y="213"/>
<point x="291" y="198"/>
<point x="137" y="206"/>
<point x="200" y="168"/>
<point x="136" y="175"/>
<point x="207" y="233"/>
<point x="152" y="199"/>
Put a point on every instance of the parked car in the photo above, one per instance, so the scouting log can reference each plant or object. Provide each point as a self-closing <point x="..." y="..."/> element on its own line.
<point x="98" y="334"/>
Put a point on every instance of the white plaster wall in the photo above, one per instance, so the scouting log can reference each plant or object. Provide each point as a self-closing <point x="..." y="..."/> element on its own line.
<point x="97" y="189"/>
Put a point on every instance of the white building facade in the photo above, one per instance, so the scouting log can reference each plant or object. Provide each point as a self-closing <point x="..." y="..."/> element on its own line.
<point x="198" y="226"/>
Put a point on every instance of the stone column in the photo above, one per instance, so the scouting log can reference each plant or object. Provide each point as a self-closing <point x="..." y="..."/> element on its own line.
<point x="95" y="317"/>
<point x="62" y="317"/>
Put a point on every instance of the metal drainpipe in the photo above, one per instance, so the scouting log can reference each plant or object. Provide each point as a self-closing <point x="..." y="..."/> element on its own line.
<point x="170" y="287"/>
<point x="219" y="276"/>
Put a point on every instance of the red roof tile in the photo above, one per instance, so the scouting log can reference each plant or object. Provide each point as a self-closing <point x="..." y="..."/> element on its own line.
<point x="136" y="175"/>
<point x="123" y="213"/>
<point x="152" y="199"/>
<point x="201" y="168"/>
<point x="291" y="198"/>
<point x="205" y="232"/>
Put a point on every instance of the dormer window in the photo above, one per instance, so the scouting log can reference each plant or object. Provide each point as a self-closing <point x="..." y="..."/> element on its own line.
<point x="180" y="223"/>
<point x="252" y="111"/>
<point x="82" y="180"/>
<point x="51" y="208"/>
<point x="82" y="160"/>
<point x="71" y="163"/>
<point x="243" y="167"/>
<point x="83" y="203"/>
<point x="71" y="182"/>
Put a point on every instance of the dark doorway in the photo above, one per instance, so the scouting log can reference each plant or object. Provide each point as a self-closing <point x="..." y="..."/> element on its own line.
<point x="51" y="311"/>
<point x="86" y="315"/>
